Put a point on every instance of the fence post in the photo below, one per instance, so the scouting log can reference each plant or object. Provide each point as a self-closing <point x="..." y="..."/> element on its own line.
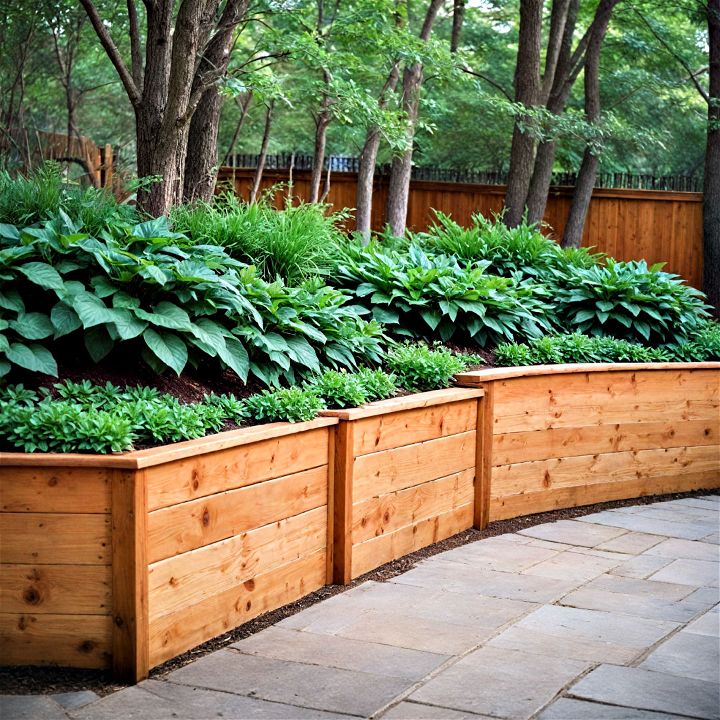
<point x="483" y="457"/>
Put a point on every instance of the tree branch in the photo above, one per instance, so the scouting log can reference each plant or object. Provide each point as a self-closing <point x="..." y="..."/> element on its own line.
<point x="490" y="81"/>
<point x="112" y="52"/>
<point x="135" y="51"/>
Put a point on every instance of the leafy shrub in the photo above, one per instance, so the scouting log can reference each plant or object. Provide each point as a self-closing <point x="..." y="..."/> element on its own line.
<point x="521" y="252"/>
<point x="83" y="417"/>
<point x="424" y="296"/>
<point x="40" y="196"/>
<point x="339" y="389"/>
<point x="377" y="384"/>
<point x="288" y="404"/>
<point x="178" y="303"/>
<point x="419" y="367"/>
<point x="575" y="348"/>
<point x="292" y="244"/>
<point x="700" y="346"/>
<point x="629" y="300"/>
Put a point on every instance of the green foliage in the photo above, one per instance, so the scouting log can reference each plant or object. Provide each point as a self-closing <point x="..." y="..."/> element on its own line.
<point x="521" y="252"/>
<point x="629" y="300"/>
<point x="426" y="296"/>
<point x="82" y="417"/>
<point x="43" y="194"/>
<point x="575" y="348"/>
<point x="292" y="244"/>
<point x="287" y="404"/>
<point x="377" y="384"/>
<point x="178" y="303"/>
<point x="700" y="346"/>
<point x="418" y="367"/>
<point x="339" y="389"/>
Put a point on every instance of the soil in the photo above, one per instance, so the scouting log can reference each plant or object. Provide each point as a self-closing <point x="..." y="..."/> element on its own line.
<point x="46" y="680"/>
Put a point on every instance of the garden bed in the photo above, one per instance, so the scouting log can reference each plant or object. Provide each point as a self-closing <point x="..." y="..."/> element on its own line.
<point x="577" y="434"/>
<point x="404" y="476"/>
<point x="126" y="561"/>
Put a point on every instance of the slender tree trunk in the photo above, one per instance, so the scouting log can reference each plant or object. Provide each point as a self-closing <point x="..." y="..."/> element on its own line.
<point x="244" y="109"/>
<point x="399" y="185"/>
<point x="527" y="92"/>
<point x="263" y="152"/>
<point x="588" y="170"/>
<point x="321" y="126"/>
<point x="457" y="22"/>
<point x="368" y="161"/>
<point x="711" y="184"/>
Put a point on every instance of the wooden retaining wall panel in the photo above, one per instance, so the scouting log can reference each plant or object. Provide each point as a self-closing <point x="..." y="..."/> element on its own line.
<point x="401" y="467"/>
<point x="384" y="432"/>
<point x="383" y="549"/>
<point x="177" y="632"/>
<point x="191" y="478"/>
<point x="67" y="640"/>
<point x="189" y="525"/>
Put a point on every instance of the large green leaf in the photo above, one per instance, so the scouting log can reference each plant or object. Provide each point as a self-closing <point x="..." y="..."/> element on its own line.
<point x="166" y="315"/>
<point x="42" y="274"/>
<point x="127" y="325"/>
<point x="234" y="355"/>
<point x="91" y="310"/>
<point x="168" y="348"/>
<point x="64" y="319"/>
<point x="32" y="357"/>
<point x="10" y="300"/>
<point x="98" y="343"/>
<point x="32" y="326"/>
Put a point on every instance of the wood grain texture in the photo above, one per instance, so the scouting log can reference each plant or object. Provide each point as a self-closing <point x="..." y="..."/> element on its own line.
<point x="343" y="492"/>
<point x="130" y="654"/>
<point x="56" y="589"/>
<point x="383" y="432"/>
<point x="189" y="578"/>
<point x="388" y="513"/>
<point x="484" y="457"/>
<point x="191" y="478"/>
<point x="177" y="632"/>
<point x="55" y="539"/>
<point x="67" y="640"/>
<point x="402" y="467"/>
<point x="186" y="526"/>
<point x="55" y="490"/>
<point x="379" y="550"/>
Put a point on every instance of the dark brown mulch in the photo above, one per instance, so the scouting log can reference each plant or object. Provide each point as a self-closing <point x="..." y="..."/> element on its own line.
<point x="44" y="680"/>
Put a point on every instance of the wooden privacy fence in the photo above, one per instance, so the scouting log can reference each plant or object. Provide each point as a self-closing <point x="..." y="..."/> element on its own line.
<point x="628" y="224"/>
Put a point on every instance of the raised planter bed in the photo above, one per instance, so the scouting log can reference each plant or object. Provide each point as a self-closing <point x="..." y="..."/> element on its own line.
<point x="404" y="476"/>
<point x="126" y="561"/>
<point x="568" y="435"/>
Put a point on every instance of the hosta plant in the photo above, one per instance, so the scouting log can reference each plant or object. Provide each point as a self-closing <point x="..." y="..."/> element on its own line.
<point x="418" y="367"/>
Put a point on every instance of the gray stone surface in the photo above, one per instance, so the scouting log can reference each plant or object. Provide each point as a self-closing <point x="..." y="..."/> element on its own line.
<point x="30" y="707"/>
<point x="500" y="682"/>
<point x="643" y="588"/>
<point x="506" y="556"/>
<point x="707" y="624"/>
<point x="571" y="533"/>
<point x="569" y="709"/>
<point x="638" y="523"/>
<point x="631" y="543"/>
<point x="340" y="652"/>
<point x="646" y="690"/>
<point x="309" y="686"/>
<point x="574" y="567"/>
<point x="640" y="566"/>
<point x="675" y="548"/>
<point x="416" y="711"/>
<point x="687" y="654"/>
<point x="72" y="700"/>
<point x="689" y="572"/>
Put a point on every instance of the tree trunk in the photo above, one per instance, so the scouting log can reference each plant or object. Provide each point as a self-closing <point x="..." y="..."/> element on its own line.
<point x="244" y="109"/>
<point x="321" y="126"/>
<point x="399" y="186"/>
<point x="588" y="170"/>
<point x="263" y="152"/>
<point x="527" y="92"/>
<point x="711" y="184"/>
<point x="368" y="161"/>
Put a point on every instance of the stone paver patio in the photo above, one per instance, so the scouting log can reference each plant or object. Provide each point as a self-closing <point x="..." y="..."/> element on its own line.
<point x="610" y="616"/>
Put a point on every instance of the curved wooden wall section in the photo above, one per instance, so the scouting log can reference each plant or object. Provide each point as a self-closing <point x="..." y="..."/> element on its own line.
<point x="559" y="436"/>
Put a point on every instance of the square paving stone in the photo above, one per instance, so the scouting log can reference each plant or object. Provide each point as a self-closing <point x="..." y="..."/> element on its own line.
<point x="156" y="700"/>
<point x="713" y="538"/>
<point x="640" y="566"/>
<point x="707" y="624"/>
<point x="708" y="501"/>
<point x="573" y="533"/>
<point x="698" y="573"/>
<point x="72" y="700"/>
<point x="458" y="578"/>
<point x="643" y="606"/>
<point x="415" y="711"/>
<point x="506" y="557"/>
<point x="499" y="682"/>
<point x="426" y="634"/>
<point x="631" y="543"/>
<point x="639" y="523"/>
<point x="340" y="652"/>
<point x="675" y="549"/>
<point x="647" y="690"/>
<point x="329" y="616"/>
<point x="30" y="707"/>
<point x="643" y="588"/>
<point x="569" y="709"/>
<point x="687" y="654"/>
<point x="574" y="566"/>
<point x="293" y="683"/>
